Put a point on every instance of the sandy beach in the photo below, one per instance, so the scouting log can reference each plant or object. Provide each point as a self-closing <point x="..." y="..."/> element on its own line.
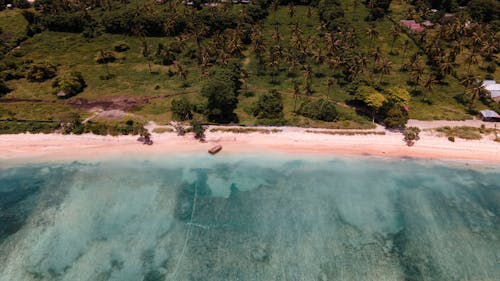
<point x="23" y="148"/>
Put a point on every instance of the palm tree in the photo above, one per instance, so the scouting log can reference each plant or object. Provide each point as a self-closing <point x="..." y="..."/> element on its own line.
<point x="475" y="91"/>
<point x="309" y="15"/>
<point x="275" y="6"/>
<point x="372" y="33"/>
<point x="384" y="67"/>
<point x="259" y="48"/>
<point x="182" y="72"/>
<point x="318" y="56"/>
<point x="406" y="45"/>
<point x="445" y="66"/>
<point x="296" y="93"/>
<point x="291" y="9"/>
<point x="293" y="62"/>
<point x="430" y="83"/>
<point x="276" y="36"/>
<point x="307" y="75"/>
<point x="273" y="63"/>
<point x="468" y="81"/>
<point x="471" y="59"/>
<point x="376" y="54"/>
<point x="395" y="34"/>
<point x="329" y="83"/>
<point x="416" y="72"/>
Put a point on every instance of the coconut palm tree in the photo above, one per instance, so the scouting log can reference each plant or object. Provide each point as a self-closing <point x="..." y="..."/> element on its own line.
<point x="468" y="81"/>
<point x="275" y="6"/>
<point x="475" y="92"/>
<point x="182" y="72"/>
<point x="394" y="34"/>
<point x="291" y="10"/>
<point x="307" y="75"/>
<point x="296" y="93"/>
<point x="472" y="58"/>
<point x="383" y="67"/>
<point x="417" y="71"/>
<point x="329" y="83"/>
<point x="372" y="33"/>
<point x="405" y="46"/>
<point x="430" y="83"/>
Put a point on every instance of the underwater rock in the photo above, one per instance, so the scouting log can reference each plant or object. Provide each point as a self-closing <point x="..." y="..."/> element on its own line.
<point x="260" y="253"/>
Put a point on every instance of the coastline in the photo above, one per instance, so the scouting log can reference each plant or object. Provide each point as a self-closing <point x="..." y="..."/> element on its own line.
<point x="28" y="148"/>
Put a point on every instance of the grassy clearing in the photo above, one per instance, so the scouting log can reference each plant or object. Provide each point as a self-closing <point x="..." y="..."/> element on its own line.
<point x="163" y="130"/>
<point x="245" y="130"/>
<point x="13" y="24"/>
<point x="37" y="111"/>
<point x="465" y="132"/>
<point x="345" y="133"/>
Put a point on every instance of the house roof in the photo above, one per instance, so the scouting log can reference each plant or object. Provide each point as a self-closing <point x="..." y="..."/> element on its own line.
<point x="492" y="87"/>
<point x="495" y="94"/>
<point x="408" y="22"/>
<point x="489" y="82"/>
<point x="489" y="114"/>
<point x="427" y="23"/>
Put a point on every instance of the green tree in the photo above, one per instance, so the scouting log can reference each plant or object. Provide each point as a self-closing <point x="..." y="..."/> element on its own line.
<point x="395" y="117"/>
<point x="269" y="107"/>
<point x="198" y="130"/>
<point x="69" y="84"/>
<point x="221" y="89"/>
<point x="398" y="96"/>
<point x="319" y="109"/>
<point x="374" y="101"/>
<point x="3" y="88"/>
<point x="181" y="109"/>
<point x="39" y="72"/>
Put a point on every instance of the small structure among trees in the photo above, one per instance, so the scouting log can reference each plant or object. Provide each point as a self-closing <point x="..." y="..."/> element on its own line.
<point x="489" y="115"/>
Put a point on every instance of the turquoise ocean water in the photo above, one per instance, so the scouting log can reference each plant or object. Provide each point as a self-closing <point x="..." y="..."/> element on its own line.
<point x="272" y="217"/>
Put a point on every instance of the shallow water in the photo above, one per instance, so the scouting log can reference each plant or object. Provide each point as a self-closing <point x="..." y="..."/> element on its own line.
<point x="269" y="217"/>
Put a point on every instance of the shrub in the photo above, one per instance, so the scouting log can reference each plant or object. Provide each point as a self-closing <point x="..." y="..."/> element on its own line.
<point x="69" y="84"/>
<point x="40" y="72"/>
<point x="103" y="57"/>
<point x="395" y="117"/>
<point x="121" y="46"/>
<point x="72" y="123"/>
<point x="320" y="109"/>
<point x="181" y="109"/>
<point x="66" y="21"/>
<point x="411" y="135"/>
<point x="198" y="130"/>
<point x="269" y="106"/>
<point x="3" y="88"/>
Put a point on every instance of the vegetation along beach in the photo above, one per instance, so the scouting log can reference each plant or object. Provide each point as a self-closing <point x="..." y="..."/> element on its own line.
<point x="249" y="140"/>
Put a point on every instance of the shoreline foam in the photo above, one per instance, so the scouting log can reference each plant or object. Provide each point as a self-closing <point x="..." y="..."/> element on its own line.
<point x="26" y="148"/>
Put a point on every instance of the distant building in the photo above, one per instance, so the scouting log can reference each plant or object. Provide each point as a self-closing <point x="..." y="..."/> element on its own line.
<point x="489" y="115"/>
<point x="427" y="23"/>
<point x="493" y="88"/>
<point x="412" y="25"/>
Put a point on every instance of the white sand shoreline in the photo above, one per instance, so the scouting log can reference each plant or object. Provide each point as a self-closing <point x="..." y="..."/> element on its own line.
<point x="27" y="148"/>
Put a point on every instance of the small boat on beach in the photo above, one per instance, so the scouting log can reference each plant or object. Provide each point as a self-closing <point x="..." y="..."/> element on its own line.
<point x="215" y="149"/>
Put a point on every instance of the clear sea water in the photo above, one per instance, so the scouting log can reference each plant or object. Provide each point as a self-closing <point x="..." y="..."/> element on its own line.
<point x="272" y="217"/>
